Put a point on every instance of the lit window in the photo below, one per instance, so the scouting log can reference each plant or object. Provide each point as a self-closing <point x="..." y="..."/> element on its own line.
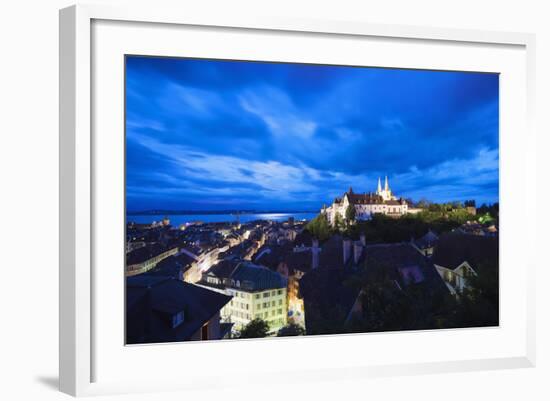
<point x="177" y="319"/>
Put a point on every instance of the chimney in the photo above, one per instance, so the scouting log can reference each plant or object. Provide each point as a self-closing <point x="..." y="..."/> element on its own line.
<point x="347" y="249"/>
<point x="315" y="254"/>
<point x="363" y="239"/>
<point x="357" y="251"/>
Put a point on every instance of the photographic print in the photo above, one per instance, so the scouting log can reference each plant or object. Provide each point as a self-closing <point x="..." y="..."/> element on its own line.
<point x="271" y="199"/>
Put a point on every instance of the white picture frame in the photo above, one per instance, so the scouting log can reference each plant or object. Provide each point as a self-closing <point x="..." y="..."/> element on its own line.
<point x="78" y="164"/>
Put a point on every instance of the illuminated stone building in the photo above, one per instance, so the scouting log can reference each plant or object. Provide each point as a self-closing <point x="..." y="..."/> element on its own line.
<point x="383" y="201"/>
<point x="257" y="292"/>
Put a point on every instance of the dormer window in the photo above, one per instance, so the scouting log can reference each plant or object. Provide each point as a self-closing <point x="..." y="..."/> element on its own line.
<point x="177" y="319"/>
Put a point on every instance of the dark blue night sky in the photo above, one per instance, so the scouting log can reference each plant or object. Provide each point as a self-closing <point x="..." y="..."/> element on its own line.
<point x="218" y="135"/>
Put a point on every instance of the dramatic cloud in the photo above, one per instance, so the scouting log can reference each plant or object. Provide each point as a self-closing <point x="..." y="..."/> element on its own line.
<point x="204" y="134"/>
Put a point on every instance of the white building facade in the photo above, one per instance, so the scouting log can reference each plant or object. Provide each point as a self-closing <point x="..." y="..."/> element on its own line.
<point x="258" y="293"/>
<point x="269" y="305"/>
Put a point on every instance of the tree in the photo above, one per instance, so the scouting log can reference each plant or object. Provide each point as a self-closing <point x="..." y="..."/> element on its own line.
<point x="350" y="214"/>
<point x="319" y="227"/>
<point x="291" y="329"/>
<point x="490" y="209"/>
<point x="457" y="205"/>
<point x="486" y="219"/>
<point x="256" y="328"/>
<point x="423" y="203"/>
<point x="478" y="303"/>
<point x="339" y="223"/>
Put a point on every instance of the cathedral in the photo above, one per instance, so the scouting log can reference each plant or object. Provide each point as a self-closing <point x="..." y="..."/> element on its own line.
<point x="382" y="201"/>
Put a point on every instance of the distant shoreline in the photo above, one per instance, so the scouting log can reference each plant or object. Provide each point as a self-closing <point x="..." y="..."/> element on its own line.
<point x="213" y="212"/>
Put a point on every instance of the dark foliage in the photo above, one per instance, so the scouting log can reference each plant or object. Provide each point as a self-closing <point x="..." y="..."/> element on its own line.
<point x="256" y="328"/>
<point x="386" y="306"/>
<point x="291" y="329"/>
<point x="350" y="214"/>
<point x="319" y="227"/>
<point x="384" y="229"/>
<point x="492" y="210"/>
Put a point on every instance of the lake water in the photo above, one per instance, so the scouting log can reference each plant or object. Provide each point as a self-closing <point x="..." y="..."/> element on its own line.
<point x="177" y="219"/>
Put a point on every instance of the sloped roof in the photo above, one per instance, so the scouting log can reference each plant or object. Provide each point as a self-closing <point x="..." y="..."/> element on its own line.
<point x="298" y="261"/>
<point x="151" y="302"/>
<point x="369" y="199"/>
<point x="427" y="240"/>
<point x="257" y="278"/>
<point x="224" y="268"/>
<point x="403" y="263"/>
<point x="145" y="253"/>
<point x="332" y="252"/>
<point x="303" y="238"/>
<point x="393" y="202"/>
<point x="328" y="296"/>
<point x="456" y="248"/>
<point x="364" y="199"/>
<point x="172" y="266"/>
<point x="273" y="255"/>
<point x="249" y="276"/>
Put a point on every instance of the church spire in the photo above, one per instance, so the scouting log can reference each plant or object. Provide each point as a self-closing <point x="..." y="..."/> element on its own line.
<point x="379" y="186"/>
<point x="386" y="185"/>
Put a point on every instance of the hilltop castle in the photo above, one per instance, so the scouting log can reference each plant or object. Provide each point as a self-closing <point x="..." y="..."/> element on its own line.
<point x="382" y="201"/>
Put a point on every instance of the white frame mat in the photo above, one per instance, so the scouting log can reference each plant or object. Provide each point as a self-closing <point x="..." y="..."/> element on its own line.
<point x="78" y="368"/>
